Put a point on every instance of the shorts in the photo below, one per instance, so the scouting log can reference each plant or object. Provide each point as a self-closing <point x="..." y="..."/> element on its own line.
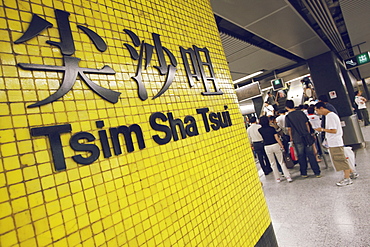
<point x="338" y="158"/>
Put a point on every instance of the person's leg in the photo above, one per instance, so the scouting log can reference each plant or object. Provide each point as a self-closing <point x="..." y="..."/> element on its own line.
<point x="312" y="158"/>
<point x="267" y="162"/>
<point x="302" y="159"/>
<point x="280" y="158"/>
<point x="270" y="154"/>
<point x="347" y="173"/>
<point x="366" y="116"/>
<point x="258" y="149"/>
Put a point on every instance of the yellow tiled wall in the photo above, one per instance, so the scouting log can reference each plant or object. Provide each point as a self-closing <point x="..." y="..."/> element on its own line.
<point x="199" y="191"/>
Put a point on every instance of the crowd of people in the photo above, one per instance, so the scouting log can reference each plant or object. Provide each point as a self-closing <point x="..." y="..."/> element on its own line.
<point x="301" y="132"/>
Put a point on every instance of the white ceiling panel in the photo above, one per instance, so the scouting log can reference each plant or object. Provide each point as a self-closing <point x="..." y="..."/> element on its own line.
<point x="244" y="12"/>
<point x="285" y="29"/>
<point x="309" y="48"/>
<point x="258" y="60"/>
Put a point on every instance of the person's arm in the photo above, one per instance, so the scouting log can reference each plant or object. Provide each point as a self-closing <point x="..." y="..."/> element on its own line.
<point x="279" y="141"/>
<point x="290" y="133"/>
<point x="332" y="131"/>
<point x="308" y="127"/>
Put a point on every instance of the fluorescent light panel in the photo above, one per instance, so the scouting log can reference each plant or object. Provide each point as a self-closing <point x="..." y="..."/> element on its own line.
<point x="248" y="77"/>
<point x="298" y="78"/>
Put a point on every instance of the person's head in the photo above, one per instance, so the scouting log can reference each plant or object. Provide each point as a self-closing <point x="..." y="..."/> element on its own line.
<point x="311" y="110"/>
<point x="282" y="112"/>
<point x="272" y="119"/>
<point x="268" y="93"/>
<point x="266" y="103"/>
<point x="281" y="93"/>
<point x="358" y="93"/>
<point x="264" y="121"/>
<point x="305" y="106"/>
<point x="289" y="104"/>
<point x="323" y="98"/>
<point x="253" y="120"/>
<point x="301" y="107"/>
<point x="321" y="108"/>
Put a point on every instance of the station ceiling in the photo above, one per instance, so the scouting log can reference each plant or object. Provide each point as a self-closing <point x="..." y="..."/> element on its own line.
<point x="278" y="36"/>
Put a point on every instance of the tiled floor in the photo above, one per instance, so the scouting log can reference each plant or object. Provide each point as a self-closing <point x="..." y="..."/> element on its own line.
<point x="314" y="212"/>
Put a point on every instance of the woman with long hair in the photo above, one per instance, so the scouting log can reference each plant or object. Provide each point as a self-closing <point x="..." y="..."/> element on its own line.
<point x="274" y="148"/>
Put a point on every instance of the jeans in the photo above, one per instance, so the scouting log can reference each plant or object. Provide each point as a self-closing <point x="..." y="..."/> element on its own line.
<point x="365" y="116"/>
<point x="305" y="152"/>
<point x="262" y="157"/>
<point x="273" y="151"/>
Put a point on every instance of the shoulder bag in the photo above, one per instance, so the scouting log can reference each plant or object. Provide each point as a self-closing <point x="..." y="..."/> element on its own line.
<point x="307" y="138"/>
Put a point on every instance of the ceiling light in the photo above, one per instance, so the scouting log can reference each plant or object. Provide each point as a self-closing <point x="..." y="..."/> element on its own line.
<point x="298" y="78"/>
<point x="248" y="77"/>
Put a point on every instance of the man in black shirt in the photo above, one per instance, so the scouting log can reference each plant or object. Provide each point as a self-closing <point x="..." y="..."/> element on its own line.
<point x="297" y="125"/>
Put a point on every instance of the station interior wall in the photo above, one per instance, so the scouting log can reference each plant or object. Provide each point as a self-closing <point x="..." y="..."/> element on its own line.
<point x="201" y="190"/>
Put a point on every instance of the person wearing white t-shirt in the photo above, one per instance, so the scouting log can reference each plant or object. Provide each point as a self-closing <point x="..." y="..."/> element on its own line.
<point x="315" y="122"/>
<point x="361" y="103"/>
<point x="334" y="133"/>
<point x="268" y="109"/>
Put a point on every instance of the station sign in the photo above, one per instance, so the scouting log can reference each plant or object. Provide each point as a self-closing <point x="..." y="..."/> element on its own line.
<point x="277" y="84"/>
<point x="358" y="60"/>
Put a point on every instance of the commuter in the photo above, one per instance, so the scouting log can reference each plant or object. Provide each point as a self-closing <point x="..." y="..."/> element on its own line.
<point x="330" y="107"/>
<point x="315" y="122"/>
<point x="257" y="145"/>
<point x="334" y="139"/>
<point x="268" y="109"/>
<point x="273" y="148"/>
<point x="304" y="109"/>
<point x="280" y="100"/>
<point x="313" y="118"/>
<point x="361" y="103"/>
<point x="300" y="131"/>
<point x="271" y="100"/>
<point x="280" y="121"/>
<point x="273" y="123"/>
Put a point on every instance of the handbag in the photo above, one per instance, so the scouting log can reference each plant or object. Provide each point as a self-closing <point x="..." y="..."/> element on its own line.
<point x="292" y="152"/>
<point x="307" y="138"/>
<point x="288" y="161"/>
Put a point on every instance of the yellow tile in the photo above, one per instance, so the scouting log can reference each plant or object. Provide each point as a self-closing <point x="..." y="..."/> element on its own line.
<point x="44" y="239"/>
<point x="19" y="205"/>
<point x="27" y="160"/>
<point x="13" y="177"/>
<point x="38" y="212"/>
<point x="29" y="242"/>
<point x="33" y="186"/>
<point x="8" y="149"/>
<point x="35" y="199"/>
<point x="47" y="182"/>
<point x="50" y="194"/>
<point x="24" y="147"/>
<point x="6" y="225"/>
<point x="55" y="220"/>
<point x="9" y="239"/>
<point x="25" y="233"/>
<point x="20" y="121"/>
<point x="17" y="190"/>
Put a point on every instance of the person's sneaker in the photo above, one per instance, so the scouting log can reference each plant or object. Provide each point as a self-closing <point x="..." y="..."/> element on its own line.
<point x="344" y="182"/>
<point x="278" y="180"/>
<point x="304" y="176"/>
<point x="318" y="176"/>
<point x="289" y="179"/>
<point x="354" y="175"/>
